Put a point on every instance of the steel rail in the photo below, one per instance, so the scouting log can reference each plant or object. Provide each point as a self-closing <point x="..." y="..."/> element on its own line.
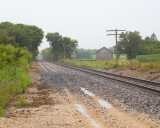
<point x="103" y="74"/>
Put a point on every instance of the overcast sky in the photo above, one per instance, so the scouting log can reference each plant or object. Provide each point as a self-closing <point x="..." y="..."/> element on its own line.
<point x="85" y="20"/>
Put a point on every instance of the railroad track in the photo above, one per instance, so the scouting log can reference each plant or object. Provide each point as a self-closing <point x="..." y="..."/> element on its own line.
<point x="130" y="81"/>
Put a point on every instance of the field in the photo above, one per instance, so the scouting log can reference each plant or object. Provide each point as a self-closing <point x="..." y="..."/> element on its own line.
<point x="122" y="63"/>
<point x="148" y="58"/>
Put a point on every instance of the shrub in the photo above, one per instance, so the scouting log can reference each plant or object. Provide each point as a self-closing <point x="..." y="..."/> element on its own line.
<point x="14" y="56"/>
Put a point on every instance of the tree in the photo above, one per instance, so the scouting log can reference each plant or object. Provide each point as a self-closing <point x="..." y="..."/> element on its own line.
<point x="55" y="41"/>
<point x="149" y="48"/>
<point x="62" y="47"/>
<point x="20" y="35"/>
<point x="14" y="56"/>
<point x="47" y="54"/>
<point x="84" y="55"/>
<point x="112" y="49"/>
<point x="33" y="38"/>
<point x="69" y="46"/>
<point x="151" y="40"/>
<point x="129" y="44"/>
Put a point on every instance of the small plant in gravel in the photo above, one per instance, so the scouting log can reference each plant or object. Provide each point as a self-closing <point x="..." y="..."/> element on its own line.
<point x="21" y="102"/>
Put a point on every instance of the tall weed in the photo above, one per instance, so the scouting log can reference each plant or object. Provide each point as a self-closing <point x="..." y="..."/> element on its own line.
<point x="13" y="80"/>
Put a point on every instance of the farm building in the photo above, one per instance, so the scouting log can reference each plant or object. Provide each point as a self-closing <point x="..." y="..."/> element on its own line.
<point x="104" y="54"/>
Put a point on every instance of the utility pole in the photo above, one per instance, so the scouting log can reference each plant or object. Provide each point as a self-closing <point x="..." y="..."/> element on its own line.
<point x="116" y="34"/>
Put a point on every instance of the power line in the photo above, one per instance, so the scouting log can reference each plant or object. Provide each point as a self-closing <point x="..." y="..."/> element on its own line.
<point x="116" y="34"/>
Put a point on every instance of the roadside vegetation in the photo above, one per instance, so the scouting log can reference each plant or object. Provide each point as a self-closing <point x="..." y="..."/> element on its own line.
<point x="18" y="47"/>
<point x="13" y="80"/>
<point x="123" y="64"/>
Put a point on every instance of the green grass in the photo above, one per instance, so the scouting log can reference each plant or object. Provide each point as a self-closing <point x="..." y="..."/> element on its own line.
<point x="21" y="102"/>
<point x="84" y="60"/>
<point x="91" y="63"/>
<point x="122" y="63"/>
<point x="13" y="80"/>
<point x="148" y="58"/>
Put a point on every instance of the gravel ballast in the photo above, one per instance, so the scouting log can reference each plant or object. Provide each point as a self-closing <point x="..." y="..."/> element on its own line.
<point x="114" y="92"/>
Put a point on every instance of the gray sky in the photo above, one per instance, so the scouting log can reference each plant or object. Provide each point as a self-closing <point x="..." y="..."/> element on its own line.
<point x="85" y="20"/>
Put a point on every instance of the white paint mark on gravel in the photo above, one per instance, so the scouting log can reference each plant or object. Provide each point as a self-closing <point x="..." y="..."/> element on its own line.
<point x="104" y="104"/>
<point x="82" y="110"/>
<point x="87" y="92"/>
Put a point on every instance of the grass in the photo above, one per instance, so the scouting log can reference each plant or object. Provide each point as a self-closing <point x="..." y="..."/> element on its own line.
<point x="92" y="63"/>
<point x="122" y="63"/>
<point x="148" y="58"/>
<point x="13" y="80"/>
<point x="21" y="102"/>
<point x="114" y="57"/>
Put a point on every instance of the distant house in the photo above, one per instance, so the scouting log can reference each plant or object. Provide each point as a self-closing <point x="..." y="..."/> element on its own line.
<point x="104" y="54"/>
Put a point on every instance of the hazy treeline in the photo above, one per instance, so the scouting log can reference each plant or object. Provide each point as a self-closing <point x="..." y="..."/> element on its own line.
<point x="85" y="54"/>
<point x="77" y="54"/>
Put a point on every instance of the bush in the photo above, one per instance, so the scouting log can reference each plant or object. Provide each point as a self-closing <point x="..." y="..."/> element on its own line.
<point x="14" y="56"/>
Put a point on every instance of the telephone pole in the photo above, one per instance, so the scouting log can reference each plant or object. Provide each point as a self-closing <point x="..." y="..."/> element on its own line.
<point x="116" y="34"/>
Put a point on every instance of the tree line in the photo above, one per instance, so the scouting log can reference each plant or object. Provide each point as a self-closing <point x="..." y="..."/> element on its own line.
<point x="84" y="53"/>
<point x="20" y="35"/>
<point x="132" y="44"/>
